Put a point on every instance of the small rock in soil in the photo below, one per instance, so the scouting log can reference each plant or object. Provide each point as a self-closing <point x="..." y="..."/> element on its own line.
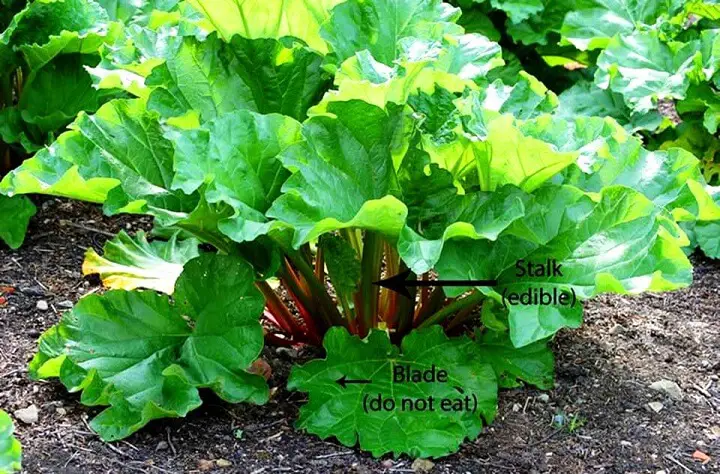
<point x="544" y="397"/>
<point x="388" y="463"/>
<point x="32" y="291"/>
<point x="668" y="387"/>
<point x="65" y="304"/>
<point x="27" y="415"/>
<point x="42" y="305"/>
<point x="655" y="406"/>
<point x="516" y="407"/>
<point x="223" y="463"/>
<point x="617" y="329"/>
<point x="422" y="465"/>
<point x="162" y="446"/>
<point x="61" y="411"/>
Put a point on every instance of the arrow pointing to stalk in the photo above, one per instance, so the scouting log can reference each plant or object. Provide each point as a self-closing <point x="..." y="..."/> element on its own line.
<point x="344" y="381"/>
<point x="399" y="283"/>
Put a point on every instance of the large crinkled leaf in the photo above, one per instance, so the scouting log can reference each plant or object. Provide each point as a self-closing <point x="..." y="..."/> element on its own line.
<point x="592" y="23"/>
<point x="212" y="77"/>
<point x="669" y="178"/>
<point x="538" y="27"/>
<point x="56" y="93"/>
<point x="10" y="449"/>
<point x="510" y="156"/>
<point x="268" y="18"/>
<point x="56" y="171"/>
<point x="644" y="69"/>
<point x="343" y="173"/>
<point x="519" y="10"/>
<point x="451" y="63"/>
<point x="129" y="262"/>
<point x="146" y="356"/>
<point x="15" y="214"/>
<point x="534" y="363"/>
<point x="127" y="62"/>
<point x="436" y="213"/>
<point x="378" y="26"/>
<point x="585" y="98"/>
<point x="619" y="244"/>
<point x="47" y="28"/>
<point x="124" y="141"/>
<point x="235" y="157"/>
<point x="333" y="410"/>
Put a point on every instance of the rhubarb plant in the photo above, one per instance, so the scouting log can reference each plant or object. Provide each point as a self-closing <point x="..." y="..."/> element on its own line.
<point x="292" y="166"/>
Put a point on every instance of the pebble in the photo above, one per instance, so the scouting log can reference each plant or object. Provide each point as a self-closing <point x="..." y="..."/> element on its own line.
<point x="42" y="305"/>
<point x="617" y="329"/>
<point x="223" y="463"/>
<point x="625" y="443"/>
<point x="544" y="397"/>
<point x="655" y="406"/>
<point x="516" y="407"/>
<point x="668" y="387"/>
<point x="27" y="415"/>
<point x="65" y="304"/>
<point x="388" y="463"/>
<point x="422" y="465"/>
<point x="162" y="446"/>
<point x="61" y="411"/>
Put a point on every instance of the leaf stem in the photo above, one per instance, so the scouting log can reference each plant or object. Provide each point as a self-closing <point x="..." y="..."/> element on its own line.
<point x="461" y="303"/>
<point x="371" y="265"/>
<point x="328" y="309"/>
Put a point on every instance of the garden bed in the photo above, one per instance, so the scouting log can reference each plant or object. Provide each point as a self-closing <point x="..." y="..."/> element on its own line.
<point x="603" y="375"/>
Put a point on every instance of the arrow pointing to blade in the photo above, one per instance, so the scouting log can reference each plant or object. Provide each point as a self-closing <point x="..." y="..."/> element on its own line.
<point x="344" y="381"/>
<point x="399" y="283"/>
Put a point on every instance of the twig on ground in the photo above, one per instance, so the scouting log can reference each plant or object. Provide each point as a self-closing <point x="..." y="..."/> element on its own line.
<point x="333" y="455"/>
<point x="86" y="228"/>
<point x="672" y="459"/>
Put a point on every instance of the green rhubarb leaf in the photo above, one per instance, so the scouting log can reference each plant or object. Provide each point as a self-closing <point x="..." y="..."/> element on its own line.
<point x="585" y="98"/>
<point x="146" y="356"/>
<point x="129" y="262"/>
<point x="436" y="213"/>
<point x="333" y="410"/>
<point x="670" y="178"/>
<point x="47" y="28"/>
<point x="619" y="244"/>
<point x="56" y="93"/>
<point x="343" y="173"/>
<point x="450" y="64"/>
<point x="124" y="141"/>
<point x="644" y="69"/>
<point x="379" y="26"/>
<point x="213" y="77"/>
<point x="52" y="172"/>
<point x="592" y="23"/>
<point x="15" y="214"/>
<point x="235" y="157"/>
<point x="519" y="10"/>
<point x="219" y="295"/>
<point x="268" y="18"/>
<point x="10" y="449"/>
<point x="534" y="363"/>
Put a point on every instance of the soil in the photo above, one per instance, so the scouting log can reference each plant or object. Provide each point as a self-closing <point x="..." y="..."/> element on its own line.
<point x="604" y="371"/>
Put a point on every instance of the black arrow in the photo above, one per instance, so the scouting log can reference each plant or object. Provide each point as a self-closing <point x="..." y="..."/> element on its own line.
<point x="344" y="381"/>
<point x="399" y="283"/>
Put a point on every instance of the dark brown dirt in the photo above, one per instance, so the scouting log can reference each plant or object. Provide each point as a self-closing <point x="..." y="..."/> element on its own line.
<point x="603" y="373"/>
